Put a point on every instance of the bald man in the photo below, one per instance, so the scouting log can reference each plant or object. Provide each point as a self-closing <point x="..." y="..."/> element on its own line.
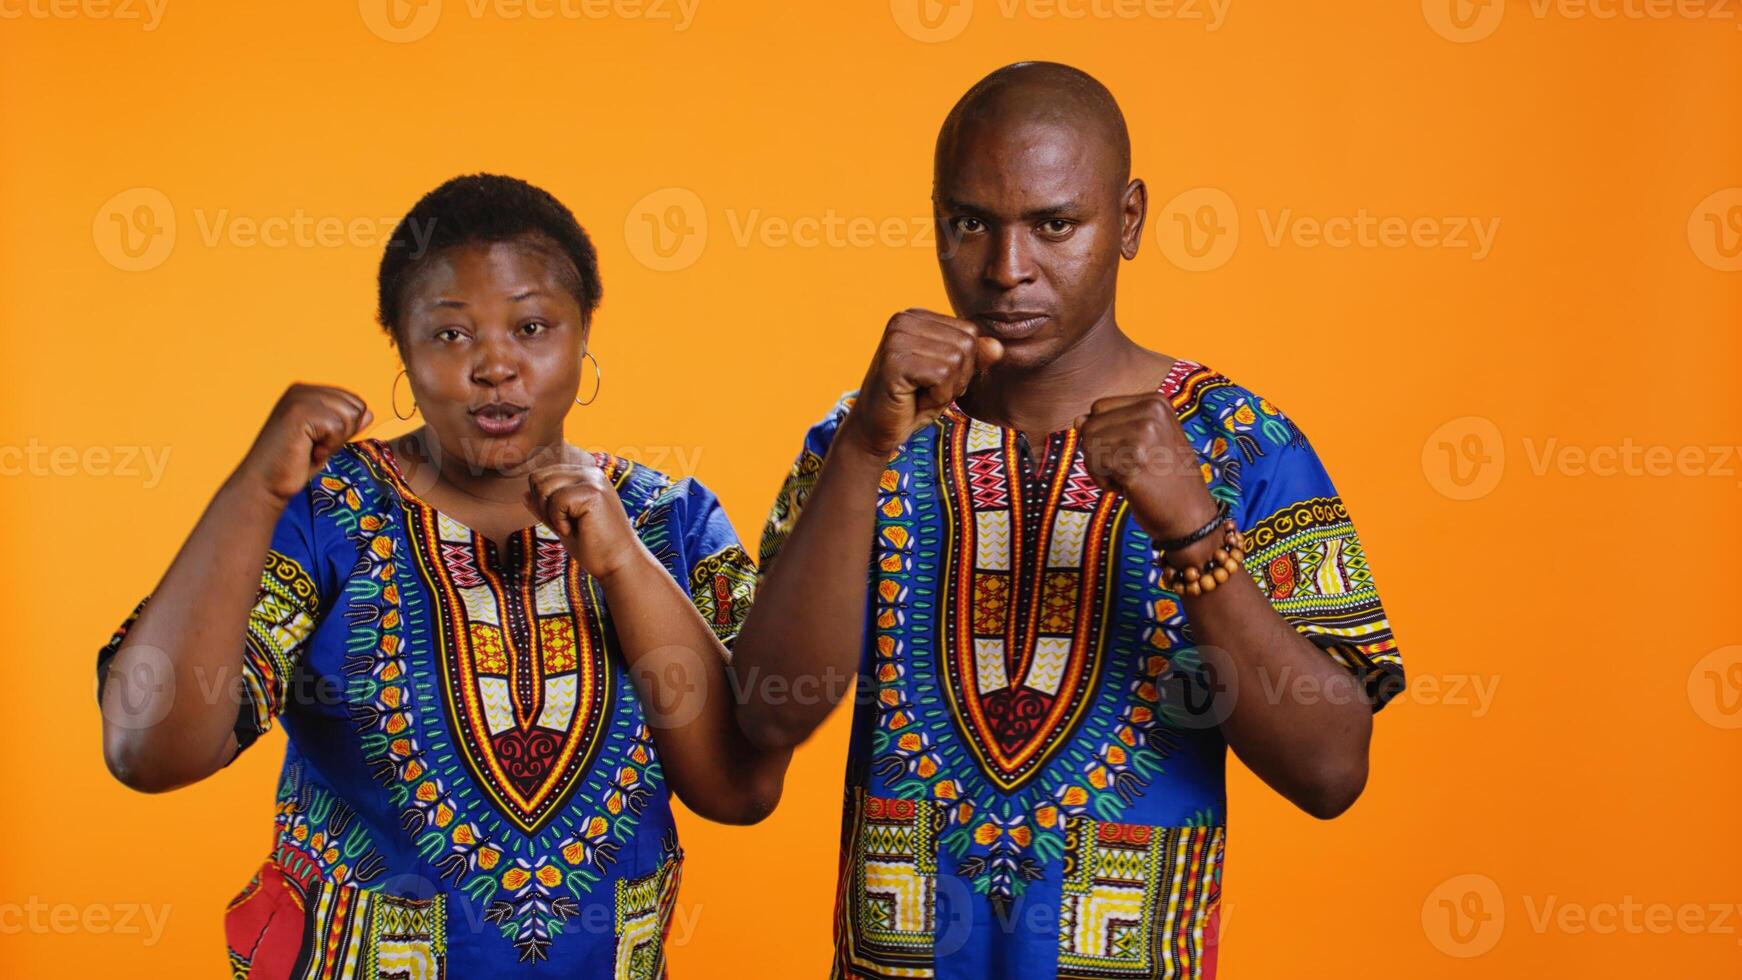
<point x="1068" y="573"/>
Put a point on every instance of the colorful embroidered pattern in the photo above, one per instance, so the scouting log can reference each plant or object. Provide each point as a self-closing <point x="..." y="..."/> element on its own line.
<point x="526" y="672"/>
<point x="1137" y="900"/>
<point x="1023" y="636"/>
<point x="1030" y="681"/>
<point x="471" y="702"/>
<point x="892" y="884"/>
<point x="644" y="908"/>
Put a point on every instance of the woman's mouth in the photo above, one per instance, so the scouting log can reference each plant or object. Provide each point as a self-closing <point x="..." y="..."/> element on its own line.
<point x="499" y="419"/>
<point x="1015" y="325"/>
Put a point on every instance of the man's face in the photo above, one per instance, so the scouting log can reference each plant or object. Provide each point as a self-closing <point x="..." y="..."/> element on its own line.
<point x="1032" y="221"/>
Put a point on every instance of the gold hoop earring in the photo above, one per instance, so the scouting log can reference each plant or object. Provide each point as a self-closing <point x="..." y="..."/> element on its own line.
<point x="598" y="379"/>
<point x="395" y="398"/>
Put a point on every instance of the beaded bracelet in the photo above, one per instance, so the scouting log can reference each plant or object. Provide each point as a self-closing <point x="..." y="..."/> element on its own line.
<point x="1227" y="561"/>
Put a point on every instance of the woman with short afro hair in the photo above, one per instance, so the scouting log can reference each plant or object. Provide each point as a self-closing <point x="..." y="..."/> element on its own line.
<point x="494" y="654"/>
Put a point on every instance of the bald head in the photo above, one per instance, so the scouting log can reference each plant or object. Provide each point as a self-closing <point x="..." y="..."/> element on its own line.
<point x="1035" y="209"/>
<point x="1043" y="94"/>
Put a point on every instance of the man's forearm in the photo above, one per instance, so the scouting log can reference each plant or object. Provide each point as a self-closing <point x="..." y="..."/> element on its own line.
<point x="1297" y="718"/>
<point x="800" y="646"/>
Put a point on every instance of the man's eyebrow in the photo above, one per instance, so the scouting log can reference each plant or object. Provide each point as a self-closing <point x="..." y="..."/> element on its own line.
<point x="1063" y="209"/>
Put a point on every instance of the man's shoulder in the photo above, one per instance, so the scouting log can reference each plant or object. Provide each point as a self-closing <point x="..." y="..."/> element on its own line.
<point x="1200" y="390"/>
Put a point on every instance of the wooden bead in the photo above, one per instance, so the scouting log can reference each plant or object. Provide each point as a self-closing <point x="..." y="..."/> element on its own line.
<point x="1192" y="573"/>
<point x="1230" y="567"/>
<point x="1239" y="556"/>
<point x="1207" y="583"/>
<point x="1221" y="574"/>
<point x="1192" y="588"/>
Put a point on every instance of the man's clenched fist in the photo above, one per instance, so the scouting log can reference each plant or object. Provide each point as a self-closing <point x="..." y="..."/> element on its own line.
<point x="923" y="363"/>
<point x="1133" y="445"/>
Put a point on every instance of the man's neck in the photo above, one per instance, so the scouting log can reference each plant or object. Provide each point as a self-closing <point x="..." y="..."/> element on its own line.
<point x="1046" y="399"/>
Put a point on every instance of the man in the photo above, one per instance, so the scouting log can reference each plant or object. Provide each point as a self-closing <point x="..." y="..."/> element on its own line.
<point x="1055" y="641"/>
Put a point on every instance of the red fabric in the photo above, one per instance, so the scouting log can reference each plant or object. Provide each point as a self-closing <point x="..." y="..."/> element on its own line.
<point x="264" y="925"/>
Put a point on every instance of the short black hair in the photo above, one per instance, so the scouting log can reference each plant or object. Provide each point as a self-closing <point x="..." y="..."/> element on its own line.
<point x="484" y="208"/>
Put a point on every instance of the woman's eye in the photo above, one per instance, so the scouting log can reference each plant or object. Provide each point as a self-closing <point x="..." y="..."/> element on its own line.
<point x="448" y="335"/>
<point x="532" y="327"/>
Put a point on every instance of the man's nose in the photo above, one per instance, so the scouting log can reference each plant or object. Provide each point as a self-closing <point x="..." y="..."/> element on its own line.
<point x="1009" y="265"/>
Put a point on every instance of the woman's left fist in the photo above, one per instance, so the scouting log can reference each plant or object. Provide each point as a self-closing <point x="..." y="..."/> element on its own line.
<point x="1133" y="445"/>
<point x="575" y="499"/>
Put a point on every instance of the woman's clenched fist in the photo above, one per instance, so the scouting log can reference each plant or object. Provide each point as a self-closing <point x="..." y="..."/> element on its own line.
<point x="309" y="424"/>
<point x="575" y="499"/>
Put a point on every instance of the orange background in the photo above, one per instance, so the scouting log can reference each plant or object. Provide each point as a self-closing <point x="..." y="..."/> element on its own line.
<point x="1599" y="610"/>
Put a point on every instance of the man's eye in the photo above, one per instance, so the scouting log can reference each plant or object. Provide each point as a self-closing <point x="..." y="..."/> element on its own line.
<point x="970" y="226"/>
<point x="1058" y="226"/>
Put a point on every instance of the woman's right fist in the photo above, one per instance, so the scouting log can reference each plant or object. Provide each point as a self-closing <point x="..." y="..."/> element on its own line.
<point x="924" y="362"/>
<point x="309" y="424"/>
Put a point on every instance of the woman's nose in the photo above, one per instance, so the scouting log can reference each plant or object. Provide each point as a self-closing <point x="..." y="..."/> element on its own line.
<point x="494" y="366"/>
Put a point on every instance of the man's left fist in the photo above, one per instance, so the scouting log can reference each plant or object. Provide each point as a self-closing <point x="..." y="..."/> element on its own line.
<point x="1133" y="445"/>
<point x="575" y="499"/>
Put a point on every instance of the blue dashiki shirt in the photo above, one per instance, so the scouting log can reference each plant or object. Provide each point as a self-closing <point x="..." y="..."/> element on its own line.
<point x="1034" y="783"/>
<point x="470" y="788"/>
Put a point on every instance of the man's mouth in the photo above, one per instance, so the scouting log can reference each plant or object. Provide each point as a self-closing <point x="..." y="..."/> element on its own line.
<point x="1008" y="325"/>
<point x="499" y="418"/>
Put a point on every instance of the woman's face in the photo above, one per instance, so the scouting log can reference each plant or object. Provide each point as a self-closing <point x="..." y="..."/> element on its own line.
<point x="492" y="340"/>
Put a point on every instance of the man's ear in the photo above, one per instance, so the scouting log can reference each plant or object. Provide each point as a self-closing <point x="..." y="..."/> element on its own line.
<point x="1134" y="208"/>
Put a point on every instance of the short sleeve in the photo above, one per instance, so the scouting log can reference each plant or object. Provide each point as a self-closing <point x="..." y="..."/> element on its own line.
<point x="783" y="516"/>
<point x="1303" y="552"/>
<point x="286" y="610"/>
<point x="688" y="531"/>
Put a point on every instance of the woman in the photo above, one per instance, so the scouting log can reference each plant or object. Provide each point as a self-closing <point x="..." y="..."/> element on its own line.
<point x="484" y="706"/>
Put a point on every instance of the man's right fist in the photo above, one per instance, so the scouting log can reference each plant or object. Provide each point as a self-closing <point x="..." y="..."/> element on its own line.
<point x="923" y="363"/>
<point x="309" y="424"/>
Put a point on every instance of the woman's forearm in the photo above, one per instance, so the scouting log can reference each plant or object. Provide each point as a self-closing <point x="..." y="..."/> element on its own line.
<point x="170" y="697"/>
<point x="679" y="669"/>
